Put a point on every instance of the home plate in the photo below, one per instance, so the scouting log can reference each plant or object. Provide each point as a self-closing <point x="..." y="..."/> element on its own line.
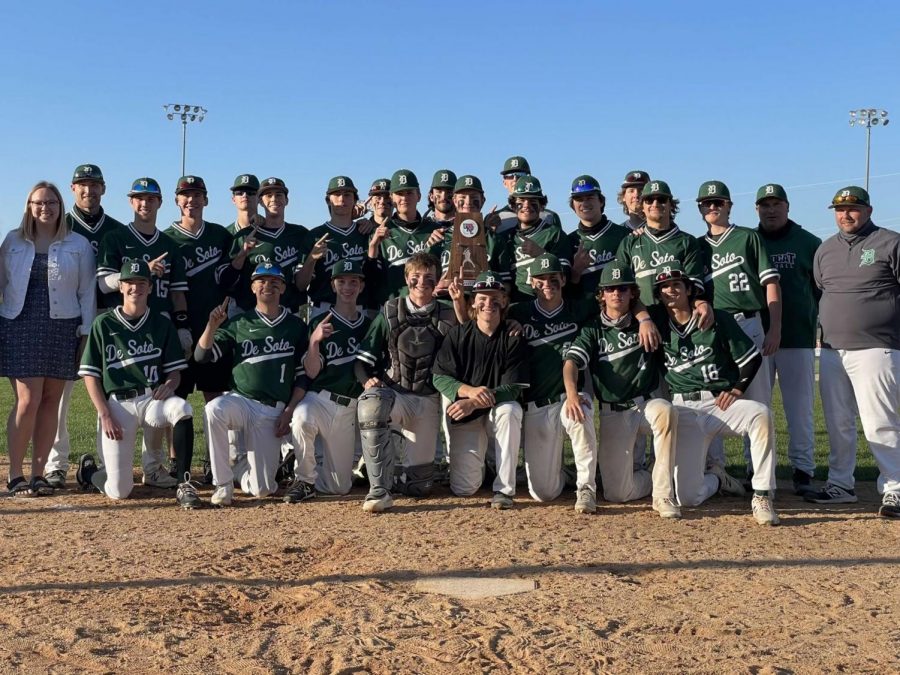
<point x="474" y="587"/>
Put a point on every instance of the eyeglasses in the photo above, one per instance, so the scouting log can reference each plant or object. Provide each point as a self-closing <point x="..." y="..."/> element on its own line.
<point x="656" y="199"/>
<point x="712" y="203"/>
<point x="49" y="203"/>
<point x="617" y="289"/>
<point x="244" y="193"/>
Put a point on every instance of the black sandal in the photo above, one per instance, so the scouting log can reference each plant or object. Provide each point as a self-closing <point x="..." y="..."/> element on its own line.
<point x="40" y="487"/>
<point x="19" y="487"/>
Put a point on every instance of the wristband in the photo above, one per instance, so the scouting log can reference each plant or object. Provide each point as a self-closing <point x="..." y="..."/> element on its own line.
<point x="645" y="320"/>
<point x="181" y="319"/>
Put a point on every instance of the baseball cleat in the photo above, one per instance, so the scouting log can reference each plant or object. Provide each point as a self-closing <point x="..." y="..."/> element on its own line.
<point x="172" y="468"/>
<point x="586" y="501"/>
<point x="87" y="467"/>
<point x="186" y="494"/>
<point x="285" y="471"/>
<point x="728" y="485"/>
<point x="207" y="473"/>
<point x="890" y="505"/>
<point x="832" y="494"/>
<point x="802" y="483"/>
<point x="159" y="478"/>
<point x="666" y="507"/>
<point x="378" y="504"/>
<point x="501" y="501"/>
<point x="299" y="492"/>
<point x="223" y="495"/>
<point x="764" y="510"/>
<point x="57" y="479"/>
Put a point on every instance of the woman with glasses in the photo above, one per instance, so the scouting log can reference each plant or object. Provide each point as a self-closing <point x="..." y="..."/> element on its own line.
<point x="48" y="290"/>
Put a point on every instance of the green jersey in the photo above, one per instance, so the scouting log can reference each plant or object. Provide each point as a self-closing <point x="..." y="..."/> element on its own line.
<point x="286" y="247"/>
<point x="601" y="243"/>
<point x="549" y="335"/>
<point x="204" y="252"/>
<point x="266" y="354"/>
<point x="703" y="360"/>
<point x="509" y="221"/>
<point x="126" y="243"/>
<point x="129" y="354"/>
<point x="403" y="241"/>
<point x="339" y="354"/>
<point x="737" y="267"/>
<point x="94" y="231"/>
<point x="512" y="263"/>
<point x="791" y="251"/>
<point x="611" y="352"/>
<point x="652" y="250"/>
<point x="347" y="244"/>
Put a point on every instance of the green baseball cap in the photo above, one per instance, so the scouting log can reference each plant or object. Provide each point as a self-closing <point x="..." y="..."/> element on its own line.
<point x="657" y="188"/>
<point x="636" y="178"/>
<point x="849" y="196"/>
<point x="380" y="186"/>
<point x="134" y="269"/>
<point x="585" y="185"/>
<point x="545" y="263"/>
<point x="443" y="178"/>
<point x="85" y="173"/>
<point x="713" y="189"/>
<point x="515" y="164"/>
<point x="145" y="186"/>
<point x="528" y="186"/>
<point x="190" y="184"/>
<point x="616" y="275"/>
<point x="404" y="179"/>
<point x="668" y="272"/>
<point x="272" y="185"/>
<point x="340" y="184"/>
<point x="468" y="182"/>
<point x="771" y="191"/>
<point x="347" y="268"/>
<point x="246" y="181"/>
<point x="486" y="282"/>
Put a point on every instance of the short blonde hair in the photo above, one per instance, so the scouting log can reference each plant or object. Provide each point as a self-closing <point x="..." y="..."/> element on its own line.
<point x="28" y="225"/>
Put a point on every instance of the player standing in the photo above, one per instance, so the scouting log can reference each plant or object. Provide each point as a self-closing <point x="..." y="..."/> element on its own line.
<point x="629" y="197"/>
<point x="515" y="168"/>
<point x="131" y="367"/>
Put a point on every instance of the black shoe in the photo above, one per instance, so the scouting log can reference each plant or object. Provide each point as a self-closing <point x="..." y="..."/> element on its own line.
<point x="890" y="505"/>
<point x="285" y="472"/>
<point x="299" y="492"/>
<point x="207" y="473"/>
<point x="57" y="479"/>
<point x="803" y="483"/>
<point x="186" y="494"/>
<point x="87" y="467"/>
<point x="173" y="471"/>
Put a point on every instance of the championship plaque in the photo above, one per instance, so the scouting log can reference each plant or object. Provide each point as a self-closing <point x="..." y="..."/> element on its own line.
<point x="468" y="248"/>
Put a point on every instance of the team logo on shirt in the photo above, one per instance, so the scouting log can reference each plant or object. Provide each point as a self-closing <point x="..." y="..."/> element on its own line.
<point x="867" y="257"/>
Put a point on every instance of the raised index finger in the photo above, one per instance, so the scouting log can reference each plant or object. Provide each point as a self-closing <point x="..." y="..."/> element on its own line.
<point x="161" y="257"/>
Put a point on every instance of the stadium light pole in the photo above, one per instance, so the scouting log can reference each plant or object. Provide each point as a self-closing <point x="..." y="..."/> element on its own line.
<point x="184" y="113"/>
<point x="868" y="118"/>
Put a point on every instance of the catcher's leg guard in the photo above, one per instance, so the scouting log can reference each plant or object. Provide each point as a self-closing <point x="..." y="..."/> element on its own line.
<point x="373" y="414"/>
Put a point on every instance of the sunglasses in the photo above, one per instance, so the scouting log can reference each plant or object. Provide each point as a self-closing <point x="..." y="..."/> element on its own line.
<point x="244" y="193"/>
<point x="656" y="200"/>
<point x="712" y="203"/>
<point x="622" y="288"/>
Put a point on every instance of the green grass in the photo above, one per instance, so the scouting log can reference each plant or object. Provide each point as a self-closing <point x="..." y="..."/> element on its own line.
<point x="82" y="421"/>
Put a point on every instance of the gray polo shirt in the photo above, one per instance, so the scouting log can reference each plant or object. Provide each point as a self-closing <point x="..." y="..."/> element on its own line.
<point x="859" y="276"/>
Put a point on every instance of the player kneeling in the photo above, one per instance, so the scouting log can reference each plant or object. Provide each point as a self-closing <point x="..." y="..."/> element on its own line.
<point x="264" y="347"/>
<point x="623" y="375"/>
<point x="128" y="350"/>
<point x="327" y="414"/>
<point x="480" y="368"/>
<point x="708" y="372"/>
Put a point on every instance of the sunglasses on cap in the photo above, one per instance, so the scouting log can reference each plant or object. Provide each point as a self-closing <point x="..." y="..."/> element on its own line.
<point x="670" y="275"/>
<point x="846" y="199"/>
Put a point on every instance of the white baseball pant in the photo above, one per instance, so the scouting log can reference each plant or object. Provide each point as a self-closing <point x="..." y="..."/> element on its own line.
<point x="116" y="478"/>
<point x="417" y="419"/>
<point x="701" y="421"/>
<point x="583" y="436"/>
<point x="542" y="444"/>
<point x="469" y="445"/>
<point x="760" y="388"/>
<point x="618" y="431"/>
<point x="795" y="369"/>
<point x="58" y="459"/>
<point x="325" y="427"/>
<point x="257" y="421"/>
<point x="863" y="381"/>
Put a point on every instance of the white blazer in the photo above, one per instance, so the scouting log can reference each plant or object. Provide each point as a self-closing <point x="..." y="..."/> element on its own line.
<point x="71" y="278"/>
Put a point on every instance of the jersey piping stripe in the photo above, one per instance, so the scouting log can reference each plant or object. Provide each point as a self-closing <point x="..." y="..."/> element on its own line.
<point x="272" y="322"/>
<point x="551" y="312"/>
<point x="746" y="358"/>
<point x="90" y="371"/>
<point x="593" y="236"/>
<point x="92" y="229"/>
<point x="578" y="356"/>
<point x="715" y="242"/>
<point x="117" y="312"/>
<point x="188" y="233"/>
<point x="272" y="234"/>
<point x="334" y="228"/>
<point x="366" y="357"/>
<point x="137" y="235"/>
<point x="172" y="366"/>
<point x="671" y="232"/>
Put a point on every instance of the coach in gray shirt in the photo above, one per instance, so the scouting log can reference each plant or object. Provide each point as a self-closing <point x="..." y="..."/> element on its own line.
<point x="858" y="271"/>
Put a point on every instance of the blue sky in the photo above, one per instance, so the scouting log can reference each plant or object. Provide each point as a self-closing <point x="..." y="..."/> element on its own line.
<point x="689" y="91"/>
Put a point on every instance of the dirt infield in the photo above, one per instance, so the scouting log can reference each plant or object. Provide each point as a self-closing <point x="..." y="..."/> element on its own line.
<point x="265" y="587"/>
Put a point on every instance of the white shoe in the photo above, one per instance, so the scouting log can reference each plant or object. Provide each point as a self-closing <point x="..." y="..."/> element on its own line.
<point x="160" y="478"/>
<point x="586" y="501"/>
<point x="764" y="510"/>
<point x="727" y="483"/>
<point x="223" y="495"/>
<point x="666" y="507"/>
<point x="379" y="505"/>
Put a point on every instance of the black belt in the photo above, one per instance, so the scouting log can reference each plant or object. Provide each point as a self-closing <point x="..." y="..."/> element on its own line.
<point x="541" y="402"/>
<point x="128" y="394"/>
<point x="619" y="407"/>
<point x="341" y="400"/>
<point x="694" y="395"/>
<point x="272" y="403"/>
